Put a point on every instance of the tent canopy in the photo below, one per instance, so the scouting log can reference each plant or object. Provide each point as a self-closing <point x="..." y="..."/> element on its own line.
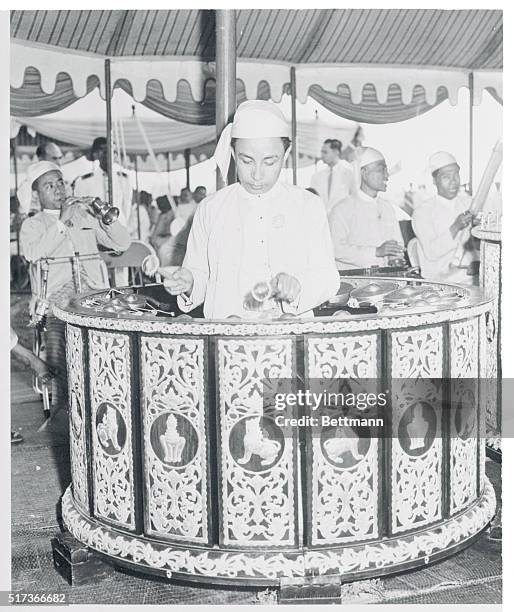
<point x="388" y="64"/>
<point x="166" y="136"/>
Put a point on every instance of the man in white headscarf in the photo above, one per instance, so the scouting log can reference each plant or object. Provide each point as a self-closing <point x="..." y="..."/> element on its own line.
<point x="257" y="247"/>
<point x="442" y="225"/>
<point x="365" y="230"/>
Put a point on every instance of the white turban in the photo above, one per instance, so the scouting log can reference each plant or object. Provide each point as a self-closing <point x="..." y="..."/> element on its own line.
<point x="368" y="155"/>
<point x="34" y="171"/>
<point x="253" y="119"/>
<point x="439" y="160"/>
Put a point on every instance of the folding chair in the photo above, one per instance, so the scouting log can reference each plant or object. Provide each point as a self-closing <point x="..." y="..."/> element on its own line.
<point x="132" y="260"/>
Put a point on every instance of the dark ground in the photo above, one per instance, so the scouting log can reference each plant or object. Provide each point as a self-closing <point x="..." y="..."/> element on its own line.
<point x="40" y="473"/>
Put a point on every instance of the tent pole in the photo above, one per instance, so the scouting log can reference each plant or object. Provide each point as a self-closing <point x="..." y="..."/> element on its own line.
<point x="137" y="184"/>
<point x="187" y="158"/>
<point x="471" y="96"/>
<point x="168" y="168"/>
<point x="294" y="150"/>
<point x="109" y="126"/>
<point x="225" y="77"/>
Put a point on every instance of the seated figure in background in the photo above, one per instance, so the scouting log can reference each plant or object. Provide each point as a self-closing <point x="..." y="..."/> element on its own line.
<point x="365" y="230"/>
<point x="442" y="225"/>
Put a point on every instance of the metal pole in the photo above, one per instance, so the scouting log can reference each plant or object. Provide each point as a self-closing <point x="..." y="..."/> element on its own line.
<point x="137" y="185"/>
<point x="225" y="78"/>
<point x="471" y="96"/>
<point x="294" y="149"/>
<point x="187" y="158"/>
<point x="109" y="127"/>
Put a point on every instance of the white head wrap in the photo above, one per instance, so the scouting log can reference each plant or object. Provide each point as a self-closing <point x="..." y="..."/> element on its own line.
<point x="368" y="155"/>
<point x="36" y="170"/>
<point x="439" y="160"/>
<point x="253" y="119"/>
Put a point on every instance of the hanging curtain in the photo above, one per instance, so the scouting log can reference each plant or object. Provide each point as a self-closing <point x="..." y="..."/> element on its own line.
<point x="370" y="110"/>
<point x="185" y="109"/>
<point x="31" y="101"/>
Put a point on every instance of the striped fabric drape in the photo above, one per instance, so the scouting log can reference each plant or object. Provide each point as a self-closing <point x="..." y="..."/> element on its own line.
<point x="31" y="101"/>
<point x="370" y="110"/>
<point x="320" y="40"/>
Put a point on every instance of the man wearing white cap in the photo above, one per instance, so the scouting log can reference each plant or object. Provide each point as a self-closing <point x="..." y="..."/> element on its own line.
<point x="26" y="197"/>
<point x="59" y="231"/>
<point x="365" y="229"/>
<point x="442" y="225"/>
<point x="335" y="181"/>
<point x="258" y="233"/>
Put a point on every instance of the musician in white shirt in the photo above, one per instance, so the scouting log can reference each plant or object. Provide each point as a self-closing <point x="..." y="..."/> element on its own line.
<point x="258" y="231"/>
<point x="365" y="229"/>
<point x="442" y="225"/>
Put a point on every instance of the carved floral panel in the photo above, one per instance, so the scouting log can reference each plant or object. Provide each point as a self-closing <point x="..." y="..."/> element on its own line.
<point x="258" y="462"/>
<point x="464" y="413"/>
<point x="111" y="421"/>
<point x="344" y="482"/>
<point x="490" y="281"/>
<point x="75" y="363"/>
<point x="416" y="476"/>
<point x="175" y="434"/>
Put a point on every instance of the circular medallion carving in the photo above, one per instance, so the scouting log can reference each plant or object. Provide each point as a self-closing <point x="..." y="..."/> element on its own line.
<point x="174" y="439"/>
<point x="256" y="443"/>
<point x="111" y="430"/>
<point x="417" y="428"/>
<point x="343" y="447"/>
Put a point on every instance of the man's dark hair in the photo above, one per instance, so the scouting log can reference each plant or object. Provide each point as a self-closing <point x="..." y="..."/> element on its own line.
<point x="145" y="198"/>
<point x="98" y="142"/>
<point x="163" y="203"/>
<point x="285" y="141"/>
<point x="41" y="152"/>
<point x="333" y="143"/>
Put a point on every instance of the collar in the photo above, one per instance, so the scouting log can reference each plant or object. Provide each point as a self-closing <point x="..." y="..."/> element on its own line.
<point x="53" y="213"/>
<point x="259" y="198"/>
<point x="445" y="202"/>
<point x="367" y="198"/>
<point x="334" y="167"/>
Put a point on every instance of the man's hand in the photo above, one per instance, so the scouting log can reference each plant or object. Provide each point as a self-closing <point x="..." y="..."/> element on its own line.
<point x="286" y="287"/>
<point x="65" y="214"/>
<point x="181" y="281"/>
<point x="150" y="265"/>
<point x="390" y="248"/>
<point x="462" y="221"/>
